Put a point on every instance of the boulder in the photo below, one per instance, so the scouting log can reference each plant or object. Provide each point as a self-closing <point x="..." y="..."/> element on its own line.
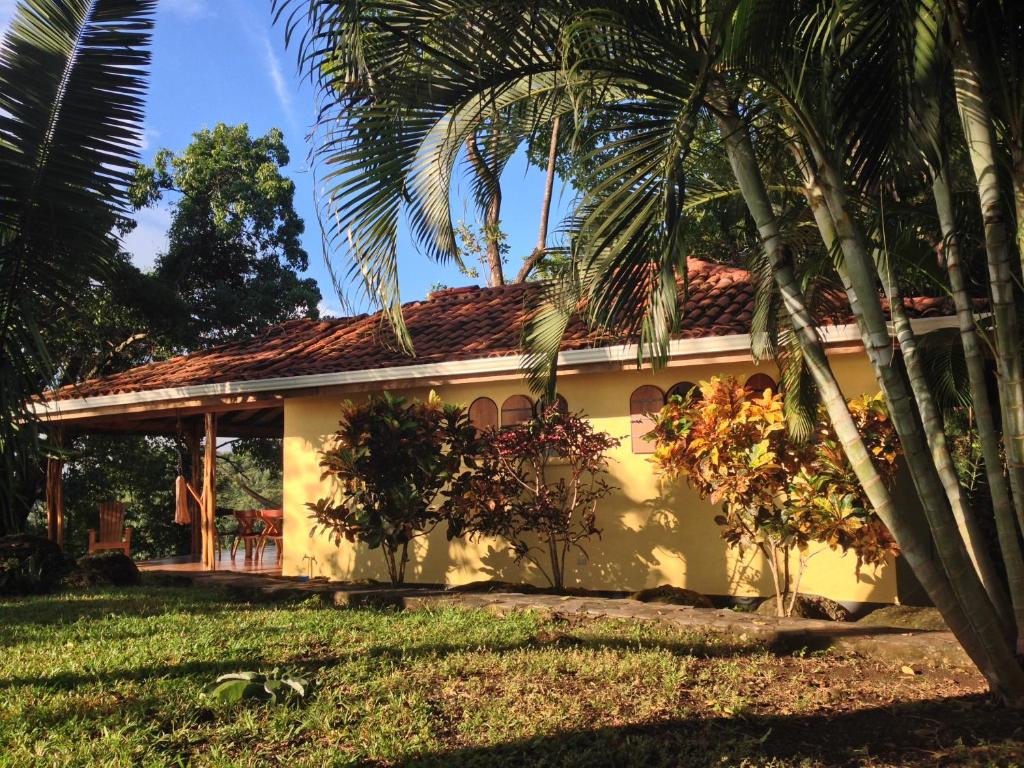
<point x="30" y="565"/>
<point x="905" y="617"/>
<point x="809" y="607"/>
<point x="108" y="568"/>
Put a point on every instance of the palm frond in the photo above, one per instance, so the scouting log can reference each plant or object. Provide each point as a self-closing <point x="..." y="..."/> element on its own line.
<point x="72" y="82"/>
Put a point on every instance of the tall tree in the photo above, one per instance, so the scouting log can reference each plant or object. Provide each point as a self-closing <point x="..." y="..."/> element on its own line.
<point x="72" y="80"/>
<point x="828" y="91"/>
<point x="234" y="249"/>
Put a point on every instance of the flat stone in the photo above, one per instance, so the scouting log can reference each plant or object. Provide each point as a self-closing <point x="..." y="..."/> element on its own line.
<point x="782" y="635"/>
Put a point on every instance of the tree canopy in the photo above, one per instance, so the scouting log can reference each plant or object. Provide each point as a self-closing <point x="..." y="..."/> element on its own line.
<point x="234" y="249"/>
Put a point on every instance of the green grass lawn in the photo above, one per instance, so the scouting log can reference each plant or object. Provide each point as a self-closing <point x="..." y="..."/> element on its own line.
<point x="109" y="677"/>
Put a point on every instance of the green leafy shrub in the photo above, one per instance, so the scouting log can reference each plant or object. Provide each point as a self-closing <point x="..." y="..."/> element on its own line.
<point x="30" y="565"/>
<point x="537" y="485"/>
<point x="275" y="687"/>
<point x="390" y="459"/>
<point x="108" y="568"/>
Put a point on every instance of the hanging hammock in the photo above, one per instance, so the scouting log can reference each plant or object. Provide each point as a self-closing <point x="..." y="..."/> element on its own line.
<point x="182" y="513"/>
<point x="182" y="490"/>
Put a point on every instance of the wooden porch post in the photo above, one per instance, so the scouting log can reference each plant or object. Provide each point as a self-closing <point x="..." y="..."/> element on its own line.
<point x="193" y="439"/>
<point x="55" y="491"/>
<point x="209" y="514"/>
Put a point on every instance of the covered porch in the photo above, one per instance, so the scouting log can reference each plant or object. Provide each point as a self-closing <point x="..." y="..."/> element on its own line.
<point x="199" y="423"/>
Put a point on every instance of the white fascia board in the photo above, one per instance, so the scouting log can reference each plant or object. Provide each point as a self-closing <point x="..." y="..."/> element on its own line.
<point x="454" y="369"/>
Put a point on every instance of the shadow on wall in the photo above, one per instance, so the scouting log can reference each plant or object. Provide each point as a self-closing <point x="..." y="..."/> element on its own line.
<point x="652" y="534"/>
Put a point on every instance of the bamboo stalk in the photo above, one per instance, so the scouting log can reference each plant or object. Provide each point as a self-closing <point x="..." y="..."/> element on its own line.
<point x="917" y="548"/>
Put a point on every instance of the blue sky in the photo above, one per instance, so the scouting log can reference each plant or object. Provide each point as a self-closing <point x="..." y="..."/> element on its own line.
<point x="224" y="61"/>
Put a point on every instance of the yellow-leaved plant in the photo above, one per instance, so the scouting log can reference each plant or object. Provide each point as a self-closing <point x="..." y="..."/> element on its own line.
<point x="776" y="495"/>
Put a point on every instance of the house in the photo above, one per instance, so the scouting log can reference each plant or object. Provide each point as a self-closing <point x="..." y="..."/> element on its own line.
<point x="289" y="381"/>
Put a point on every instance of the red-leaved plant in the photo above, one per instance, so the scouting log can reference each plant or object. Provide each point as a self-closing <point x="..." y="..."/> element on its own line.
<point x="536" y="485"/>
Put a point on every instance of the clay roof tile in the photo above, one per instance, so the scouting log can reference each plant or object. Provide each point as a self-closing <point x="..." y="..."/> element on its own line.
<point x="451" y="324"/>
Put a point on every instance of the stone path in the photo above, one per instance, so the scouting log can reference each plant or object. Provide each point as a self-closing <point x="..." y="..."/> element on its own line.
<point x="892" y="644"/>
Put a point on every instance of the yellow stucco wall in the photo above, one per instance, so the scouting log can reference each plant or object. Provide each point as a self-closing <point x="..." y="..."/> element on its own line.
<point x="652" y="533"/>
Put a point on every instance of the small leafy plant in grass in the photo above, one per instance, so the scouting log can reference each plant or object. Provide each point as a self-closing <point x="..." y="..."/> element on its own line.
<point x="274" y="687"/>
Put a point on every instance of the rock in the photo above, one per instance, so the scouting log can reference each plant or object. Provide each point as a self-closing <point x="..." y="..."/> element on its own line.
<point x="30" y="565"/>
<point x="905" y="617"/>
<point x="809" y="607"/>
<point x="113" y="568"/>
<point x="496" y="586"/>
<point x="672" y="596"/>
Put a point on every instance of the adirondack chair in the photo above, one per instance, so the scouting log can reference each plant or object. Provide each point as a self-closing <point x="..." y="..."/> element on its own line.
<point x="113" y="534"/>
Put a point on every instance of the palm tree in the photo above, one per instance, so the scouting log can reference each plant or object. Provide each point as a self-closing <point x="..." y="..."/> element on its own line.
<point x="72" y="81"/>
<point x="835" y="85"/>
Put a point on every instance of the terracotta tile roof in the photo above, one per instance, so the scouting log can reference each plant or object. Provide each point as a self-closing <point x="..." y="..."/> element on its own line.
<point x="455" y="324"/>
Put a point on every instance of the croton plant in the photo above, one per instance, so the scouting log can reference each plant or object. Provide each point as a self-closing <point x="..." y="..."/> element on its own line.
<point x="776" y="495"/>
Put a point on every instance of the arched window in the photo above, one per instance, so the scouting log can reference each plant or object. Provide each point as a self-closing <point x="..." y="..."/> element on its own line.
<point x="759" y="382"/>
<point x="516" y="410"/>
<point x="483" y="414"/>
<point x="683" y="388"/>
<point x="644" y="404"/>
<point x="560" y="403"/>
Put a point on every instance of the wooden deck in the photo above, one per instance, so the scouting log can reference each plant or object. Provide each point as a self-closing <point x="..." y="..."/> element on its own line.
<point x="267" y="565"/>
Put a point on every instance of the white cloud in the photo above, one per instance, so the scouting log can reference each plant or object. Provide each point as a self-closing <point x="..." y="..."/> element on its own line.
<point x="187" y="9"/>
<point x="281" y="88"/>
<point x="146" y="139"/>
<point x="149" y="238"/>
<point x="327" y="309"/>
<point x="255" y="29"/>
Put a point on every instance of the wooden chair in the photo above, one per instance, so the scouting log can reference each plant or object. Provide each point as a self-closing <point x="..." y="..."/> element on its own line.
<point x="273" y="529"/>
<point x="246" y="533"/>
<point x="113" y="534"/>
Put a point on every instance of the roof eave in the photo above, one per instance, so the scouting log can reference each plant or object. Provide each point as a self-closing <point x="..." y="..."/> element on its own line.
<point x="508" y="365"/>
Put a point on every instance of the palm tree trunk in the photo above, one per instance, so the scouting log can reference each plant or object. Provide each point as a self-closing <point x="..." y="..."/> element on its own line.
<point x="545" y="207"/>
<point x="932" y="426"/>
<point x="1003" y="674"/>
<point x="1017" y="171"/>
<point x="492" y="212"/>
<point x="1006" y="517"/>
<point x="976" y="120"/>
<point x="999" y="664"/>
<point x="935" y="433"/>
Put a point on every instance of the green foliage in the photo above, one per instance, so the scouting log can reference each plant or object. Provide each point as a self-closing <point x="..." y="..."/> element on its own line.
<point x="389" y="460"/>
<point x="135" y="469"/>
<point x="72" y="79"/>
<point x="541" y="480"/>
<point x="252" y="468"/>
<point x="274" y="687"/>
<point x="110" y="568"/>
<point x="777" y="496"/>
<point x="30" y="565"/>
<point x="235" y="252"/>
